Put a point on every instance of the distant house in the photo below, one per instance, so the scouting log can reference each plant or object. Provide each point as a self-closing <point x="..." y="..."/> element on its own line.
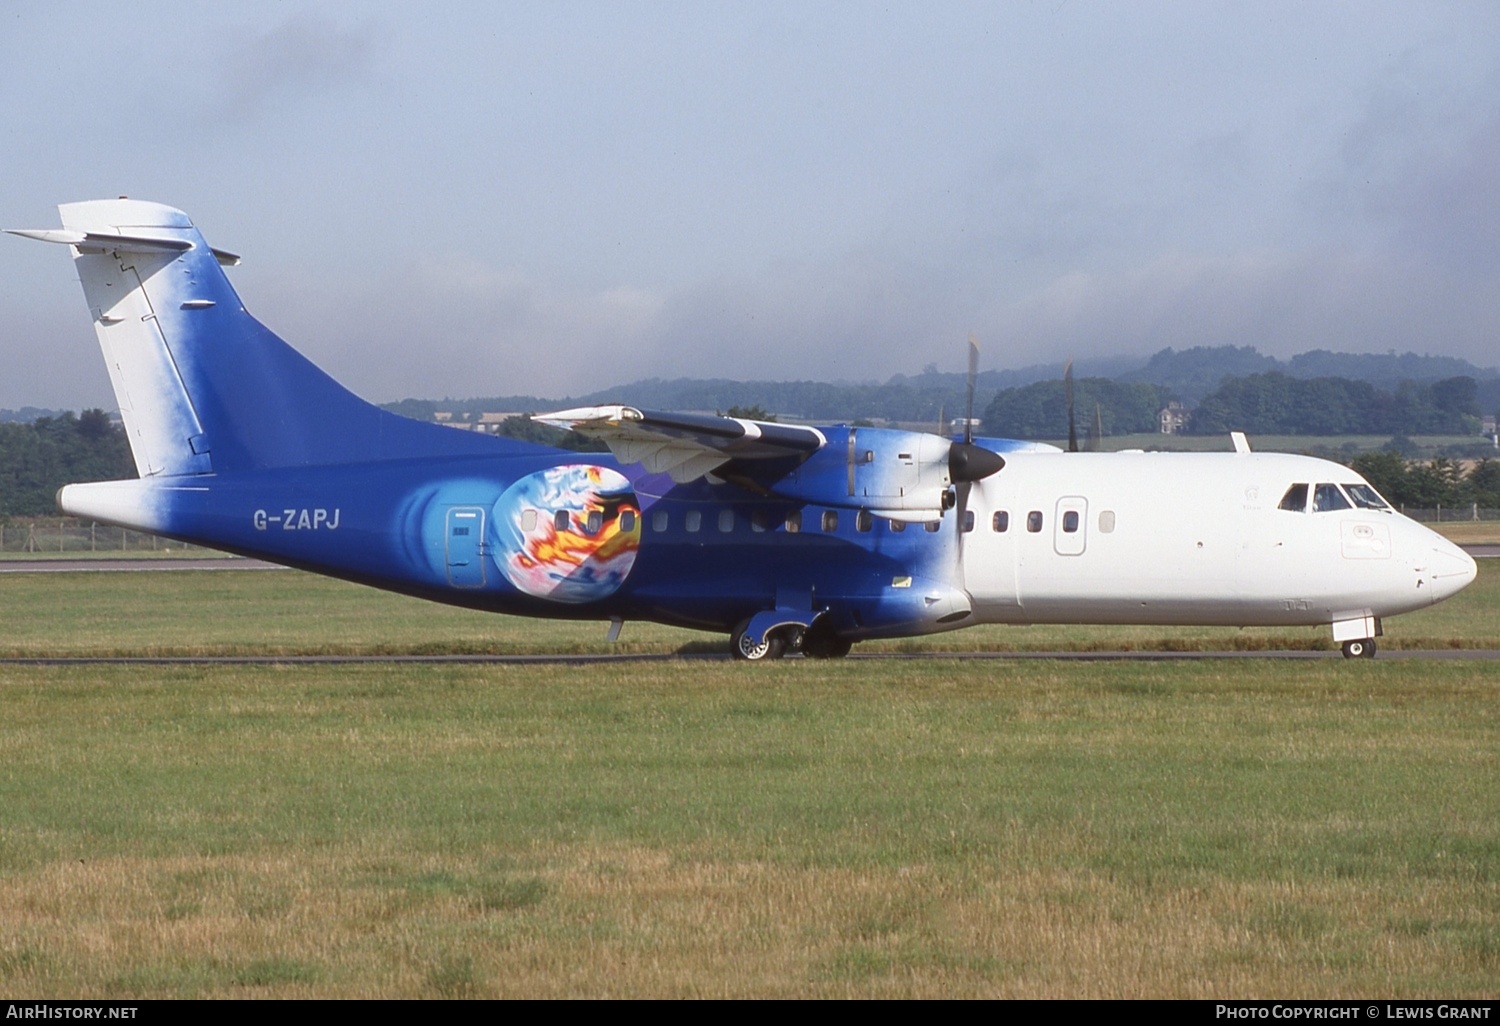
<point x="489" y="423"/>
<point x="1174" y="417"/>
<point x="1489" y="429"/>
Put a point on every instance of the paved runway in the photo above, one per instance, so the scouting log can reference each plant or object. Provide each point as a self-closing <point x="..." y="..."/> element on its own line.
<point x="107" y="565"/>
<point x="239" y="563"/>
<point x="1462" y="654"/>
<point x="64" y="566"/>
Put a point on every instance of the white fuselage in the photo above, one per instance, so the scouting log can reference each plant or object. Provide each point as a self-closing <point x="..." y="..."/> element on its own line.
<point x="1156" y="538"/>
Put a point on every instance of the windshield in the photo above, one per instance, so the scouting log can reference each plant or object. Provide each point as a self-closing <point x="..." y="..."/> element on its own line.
<point x="1366" y="497"/>
<point x="1327" y="497"/>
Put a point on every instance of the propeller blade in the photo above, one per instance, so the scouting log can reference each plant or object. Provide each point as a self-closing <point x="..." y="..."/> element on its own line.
<point x="969" y="404"/>
<point x="1068" y="400"/>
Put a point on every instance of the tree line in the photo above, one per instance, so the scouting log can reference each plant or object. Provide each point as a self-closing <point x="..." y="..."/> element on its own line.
<point x="37" y="459"/>
<point x="1427" y="485"/>
<point x="1272" y="403"/>
<point x="1277" y="404"/>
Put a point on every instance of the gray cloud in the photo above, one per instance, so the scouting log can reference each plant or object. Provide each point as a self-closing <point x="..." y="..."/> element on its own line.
<point x="264" y="73"/>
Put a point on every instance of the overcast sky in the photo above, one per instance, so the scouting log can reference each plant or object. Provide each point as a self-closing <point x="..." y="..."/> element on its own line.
<point x="477" y="199"/>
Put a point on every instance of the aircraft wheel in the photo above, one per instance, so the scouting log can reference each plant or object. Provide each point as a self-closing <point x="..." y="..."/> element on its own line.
<point x="1361" y="649"/>
<point x="827" y="646"/>
<point x="770" y="647"/>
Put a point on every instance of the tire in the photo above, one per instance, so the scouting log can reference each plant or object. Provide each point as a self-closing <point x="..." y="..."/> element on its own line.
<point x="826" y="646"/>
<point x="771" y="647"/>
<point x="1363" y="648"/>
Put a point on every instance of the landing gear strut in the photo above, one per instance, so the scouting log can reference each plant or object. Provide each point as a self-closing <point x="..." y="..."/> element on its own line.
<point x="1361" y="648"/>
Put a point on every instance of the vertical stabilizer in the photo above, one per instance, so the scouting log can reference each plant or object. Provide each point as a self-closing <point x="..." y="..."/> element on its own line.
<point x="202" y="386"/>
<point x="166" y="434"/>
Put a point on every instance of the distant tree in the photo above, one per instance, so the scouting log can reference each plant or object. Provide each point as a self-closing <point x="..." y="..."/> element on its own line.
<point x="1484" y="483"/>
<point x="527" y="430"/>
<point x="1385" y="470"/>
<point x="1041" y="410"/>
<point x="37" y="459"/>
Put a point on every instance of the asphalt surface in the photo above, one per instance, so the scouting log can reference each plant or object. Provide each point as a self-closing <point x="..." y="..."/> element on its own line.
<point x="106" y="565"/>
<point x="238" y="563"/>
<point x="1460" y="654"/>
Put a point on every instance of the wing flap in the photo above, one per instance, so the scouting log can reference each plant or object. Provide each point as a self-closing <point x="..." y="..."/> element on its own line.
<point x="685" y="445"/>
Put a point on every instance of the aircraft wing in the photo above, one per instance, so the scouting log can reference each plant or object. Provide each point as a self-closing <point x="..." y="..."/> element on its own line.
<point x="685" y="445"/>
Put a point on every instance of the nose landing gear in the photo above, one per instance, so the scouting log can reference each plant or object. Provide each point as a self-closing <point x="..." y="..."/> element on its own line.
<point x="1361" y="648"/>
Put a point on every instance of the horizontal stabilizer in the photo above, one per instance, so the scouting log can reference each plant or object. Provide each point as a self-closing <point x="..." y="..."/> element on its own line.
<point x="103" y="242"/>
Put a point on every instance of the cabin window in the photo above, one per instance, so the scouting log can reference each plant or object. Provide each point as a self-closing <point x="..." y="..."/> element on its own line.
<point x="1327" y="498"/>
<point x="830" y="520"/>
<point x="1366" y="497"/>
<point x="1106" y="521"/>
<point x="595" y="521"/>
<point x="968" y="520"/>
<point x="560" y="520"/>
<point x="1000" y="522"/>
<point x="864" y="520"/>
<point x="1034" y="521"/>
<point x="793" y="521"/>
<point x="933" y="526"/>
<point x="1295" y="499"/>
<point x="897" y="526"/>
<point x="693" y="520"/>
<point x="759" y="520"/>
<point x="528" y="520"/>
<point x="1070" y="522"/>
<point x="659" y="521"/>
<point x="627" y="521"/>
<point x="726" y="520"/>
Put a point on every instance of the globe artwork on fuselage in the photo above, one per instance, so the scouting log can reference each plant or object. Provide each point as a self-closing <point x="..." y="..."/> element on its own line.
<point x="569" y="533"/>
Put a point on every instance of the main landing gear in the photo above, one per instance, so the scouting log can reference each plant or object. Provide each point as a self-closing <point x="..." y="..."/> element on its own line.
<point x="814" y="644"/>
<point x="772" y="646"/>
<point x="1361" y="648"/>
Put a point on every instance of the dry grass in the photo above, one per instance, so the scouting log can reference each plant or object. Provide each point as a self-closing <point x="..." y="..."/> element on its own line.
<point x="850" y="830"/>
<point x="1470" y="532"/>
<point x="618" y="921"/>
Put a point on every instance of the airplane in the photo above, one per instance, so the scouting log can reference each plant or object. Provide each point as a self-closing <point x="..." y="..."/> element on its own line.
<point x="788" y="538"/>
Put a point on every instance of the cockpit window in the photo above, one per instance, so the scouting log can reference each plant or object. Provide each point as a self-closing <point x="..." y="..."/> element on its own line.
<point x="1295" y="498"/>
<point x="1366" y="497"/>
<point x="1328" y="497"/>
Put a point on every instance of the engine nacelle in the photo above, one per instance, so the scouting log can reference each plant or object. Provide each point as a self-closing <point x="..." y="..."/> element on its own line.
<point x="904" y="474"/>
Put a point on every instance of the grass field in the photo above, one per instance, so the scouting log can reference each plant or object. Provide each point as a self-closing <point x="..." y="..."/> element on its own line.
<point x="884" y="829"/>
<point x="285" y="612"/>
<point x="933" y="829"/>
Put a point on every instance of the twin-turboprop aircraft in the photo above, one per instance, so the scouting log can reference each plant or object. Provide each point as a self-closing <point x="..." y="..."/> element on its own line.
<point x="789" y="538"/>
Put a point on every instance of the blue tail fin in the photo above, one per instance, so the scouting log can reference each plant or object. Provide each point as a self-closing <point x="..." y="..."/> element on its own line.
<point x="202" y="386"/>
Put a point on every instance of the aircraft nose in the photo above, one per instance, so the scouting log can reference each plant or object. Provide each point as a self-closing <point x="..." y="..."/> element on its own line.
<point x="1448" y="570"/>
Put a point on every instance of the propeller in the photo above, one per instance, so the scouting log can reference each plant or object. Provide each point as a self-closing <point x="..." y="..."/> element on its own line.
<point x="1068" y="401"/>
<point x="968" y="462"/>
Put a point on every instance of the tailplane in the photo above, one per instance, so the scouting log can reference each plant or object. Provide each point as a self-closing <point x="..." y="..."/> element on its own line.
<point x="202" y="386"/>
